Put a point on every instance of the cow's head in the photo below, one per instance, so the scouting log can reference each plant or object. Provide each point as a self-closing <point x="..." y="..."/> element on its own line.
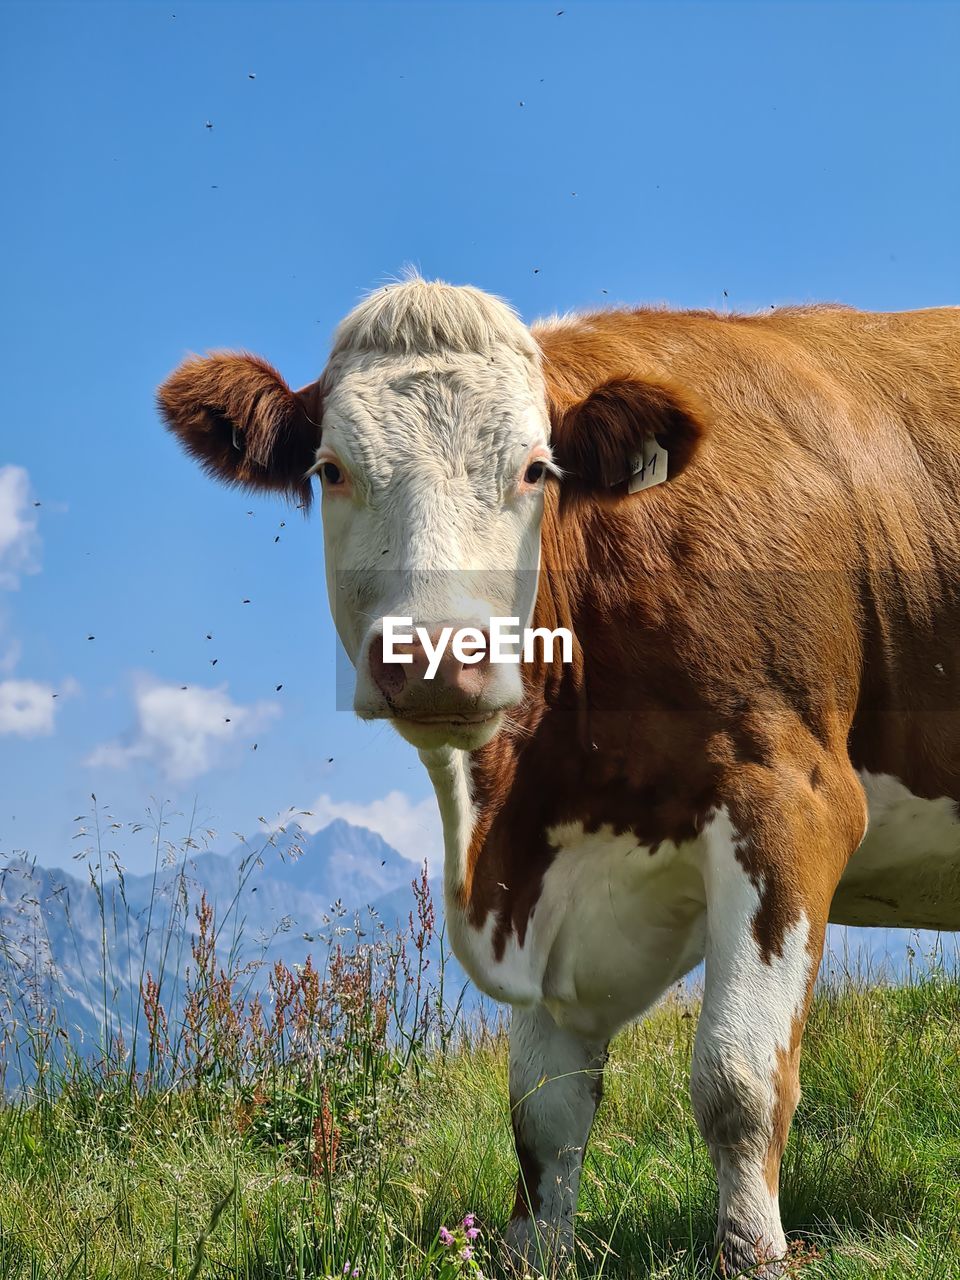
<point x="430" y="433"/>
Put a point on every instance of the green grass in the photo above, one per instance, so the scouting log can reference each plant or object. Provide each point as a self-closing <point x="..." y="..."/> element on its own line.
<point x="103" y="1180"/>
<point x="342" y="1119"/>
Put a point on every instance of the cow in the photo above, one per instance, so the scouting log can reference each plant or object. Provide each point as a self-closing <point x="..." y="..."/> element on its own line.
<point x="758" y="730"/>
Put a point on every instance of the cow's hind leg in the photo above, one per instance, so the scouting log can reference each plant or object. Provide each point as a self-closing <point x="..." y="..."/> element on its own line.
<point x="556" y="1079"/>
<point x="767" y="906"/>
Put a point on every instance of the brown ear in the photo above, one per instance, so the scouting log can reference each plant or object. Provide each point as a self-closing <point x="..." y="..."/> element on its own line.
<point x="596" y="440"/>
<point x="235" y="414"/>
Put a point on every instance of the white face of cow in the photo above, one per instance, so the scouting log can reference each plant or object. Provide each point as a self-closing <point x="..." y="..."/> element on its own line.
<point x="432" y="469"/>
<point x="431" y="418"/>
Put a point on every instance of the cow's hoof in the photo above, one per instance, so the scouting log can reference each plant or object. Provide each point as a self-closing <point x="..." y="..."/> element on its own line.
<point x="759" y="1258"/>
<point x="538" y="1248"/>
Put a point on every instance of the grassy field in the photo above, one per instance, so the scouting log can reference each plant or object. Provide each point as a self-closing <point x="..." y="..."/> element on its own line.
<point x="333" y="1129"/>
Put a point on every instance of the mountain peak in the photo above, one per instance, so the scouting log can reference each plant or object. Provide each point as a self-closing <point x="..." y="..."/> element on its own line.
<point x="340" y="860"/>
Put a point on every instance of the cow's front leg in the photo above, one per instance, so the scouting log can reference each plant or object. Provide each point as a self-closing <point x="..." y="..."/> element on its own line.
<point x="556" y="1080"/>
<point x="768" y="895"/>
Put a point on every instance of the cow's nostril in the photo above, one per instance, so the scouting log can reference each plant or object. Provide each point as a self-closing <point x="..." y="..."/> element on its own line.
<point x="389" y="677"/>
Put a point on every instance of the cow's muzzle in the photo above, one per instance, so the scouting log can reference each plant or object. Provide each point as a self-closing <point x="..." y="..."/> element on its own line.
<point x="435" y="698"/>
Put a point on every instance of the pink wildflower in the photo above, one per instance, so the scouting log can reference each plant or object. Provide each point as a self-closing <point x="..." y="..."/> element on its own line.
<point x="472" y="1233"/>
<point x="445" y="1237"/>
<point x="466" y="1253"/>
<point x="469" y="1220"/>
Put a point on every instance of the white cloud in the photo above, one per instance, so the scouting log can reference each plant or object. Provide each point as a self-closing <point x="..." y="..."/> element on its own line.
<point x="19" y="541"/>
<point x="412" y="828"/>
<point x="28" y="708"/>
<point x="182" y="731"/>
<point x="10" y="651"/>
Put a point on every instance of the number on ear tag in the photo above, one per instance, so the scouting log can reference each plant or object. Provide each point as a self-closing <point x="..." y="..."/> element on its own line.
<point x="648" y="468"/>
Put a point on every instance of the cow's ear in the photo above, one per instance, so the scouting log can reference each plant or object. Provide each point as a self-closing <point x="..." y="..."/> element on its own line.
<point x="600" y="442"/>
<point x="235" y="414"/>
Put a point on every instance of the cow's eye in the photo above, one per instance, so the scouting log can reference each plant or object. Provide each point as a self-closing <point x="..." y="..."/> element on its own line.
<point x="332" y="474"/>
<point x="534" y="473"/>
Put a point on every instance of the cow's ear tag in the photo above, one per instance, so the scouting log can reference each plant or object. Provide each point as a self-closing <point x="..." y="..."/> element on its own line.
<point x="649" y="467"/>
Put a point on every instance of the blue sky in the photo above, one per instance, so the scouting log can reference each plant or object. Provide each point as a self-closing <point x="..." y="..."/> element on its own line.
<point x="721" y="155"/>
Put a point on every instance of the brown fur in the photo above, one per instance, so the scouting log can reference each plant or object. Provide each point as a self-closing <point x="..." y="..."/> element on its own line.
<point x="235" y="414"/>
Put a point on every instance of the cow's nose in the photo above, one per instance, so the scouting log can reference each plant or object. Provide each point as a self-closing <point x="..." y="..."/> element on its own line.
<point x="451" y="676"/>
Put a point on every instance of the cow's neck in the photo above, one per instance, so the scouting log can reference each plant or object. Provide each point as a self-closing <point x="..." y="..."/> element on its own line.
<point x="450" y="774"/>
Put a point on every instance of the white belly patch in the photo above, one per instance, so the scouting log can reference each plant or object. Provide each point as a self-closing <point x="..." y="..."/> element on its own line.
<point x="613" y="927"/>
<point x="906" y="872"/>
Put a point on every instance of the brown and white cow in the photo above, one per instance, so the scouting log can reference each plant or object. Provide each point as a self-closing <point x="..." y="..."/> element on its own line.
<point x="759" y="731"/>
